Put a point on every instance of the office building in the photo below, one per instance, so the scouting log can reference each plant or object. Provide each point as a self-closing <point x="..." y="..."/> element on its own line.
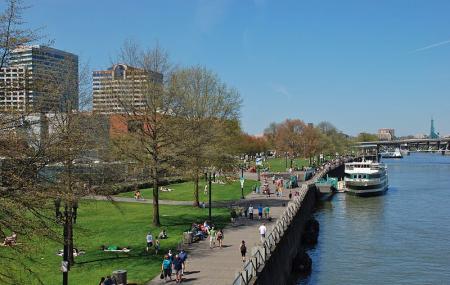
<point x="121" y="88"/>
<point x="386" y="134"/>
<point x="39" y="78"/>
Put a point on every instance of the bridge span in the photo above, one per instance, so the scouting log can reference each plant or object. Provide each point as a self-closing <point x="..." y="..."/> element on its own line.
<point x="440" y="144"/>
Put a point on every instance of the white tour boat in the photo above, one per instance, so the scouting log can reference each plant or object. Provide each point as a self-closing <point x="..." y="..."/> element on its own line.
<point x="366" y="178"/>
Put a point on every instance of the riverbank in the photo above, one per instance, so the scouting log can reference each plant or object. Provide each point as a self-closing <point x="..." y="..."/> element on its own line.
<point x="398" y="238"/>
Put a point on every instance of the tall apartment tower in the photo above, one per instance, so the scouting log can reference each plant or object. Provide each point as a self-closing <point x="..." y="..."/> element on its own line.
<point x="39" y="78"/>
<point x="121" y="87"/>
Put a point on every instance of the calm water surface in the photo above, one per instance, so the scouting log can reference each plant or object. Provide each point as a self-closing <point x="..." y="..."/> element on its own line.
<point x="402" y="237"/>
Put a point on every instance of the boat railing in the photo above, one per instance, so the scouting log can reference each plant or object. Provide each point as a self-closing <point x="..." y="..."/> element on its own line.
<point x="363" y="179"/>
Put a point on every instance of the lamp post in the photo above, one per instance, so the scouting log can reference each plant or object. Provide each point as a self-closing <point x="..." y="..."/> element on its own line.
<point x="286" y="156"/>
<point x="242" y="182"/>
<point x="209" y="194"/>
<point x="209" y="178"/>
<point x="259" y="174"/>
<point x="68" y="219"/>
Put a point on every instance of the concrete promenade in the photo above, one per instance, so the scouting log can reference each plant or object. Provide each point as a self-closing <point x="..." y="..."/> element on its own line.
<point x="218" y="266"/>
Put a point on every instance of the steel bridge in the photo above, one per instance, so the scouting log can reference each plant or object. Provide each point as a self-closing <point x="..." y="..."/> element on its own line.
<point x="411" y="145"/>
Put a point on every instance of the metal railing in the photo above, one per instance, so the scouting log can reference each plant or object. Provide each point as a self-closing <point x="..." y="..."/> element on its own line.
<point x="263" y="252"/>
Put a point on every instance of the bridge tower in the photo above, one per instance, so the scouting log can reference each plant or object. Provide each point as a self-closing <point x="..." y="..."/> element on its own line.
<point x="433" y="134"/>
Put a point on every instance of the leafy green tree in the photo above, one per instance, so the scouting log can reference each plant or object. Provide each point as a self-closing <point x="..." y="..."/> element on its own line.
<point x="206" y="108"/>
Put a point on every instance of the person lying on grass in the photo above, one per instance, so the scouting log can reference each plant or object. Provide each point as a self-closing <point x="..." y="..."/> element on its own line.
<point x="11" y="240"/>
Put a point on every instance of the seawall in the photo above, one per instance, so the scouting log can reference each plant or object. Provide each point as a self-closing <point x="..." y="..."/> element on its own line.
<point x="278" y="267"/>
<point x="278" y="260"/>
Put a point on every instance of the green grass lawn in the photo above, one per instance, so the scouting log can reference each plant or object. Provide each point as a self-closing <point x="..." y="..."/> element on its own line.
<point x="121" y="224"/>
<point x="279" y="164"/>
<point x="185" y="191"/>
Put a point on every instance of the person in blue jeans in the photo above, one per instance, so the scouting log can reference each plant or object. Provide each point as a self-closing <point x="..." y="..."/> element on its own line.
<point x="178" y="267"/>
<point x="183" y="257"/>
<point x="260" y="212"/>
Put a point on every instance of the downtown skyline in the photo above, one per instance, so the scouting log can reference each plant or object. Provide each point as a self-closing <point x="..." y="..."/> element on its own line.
<point x="297" y="60"/>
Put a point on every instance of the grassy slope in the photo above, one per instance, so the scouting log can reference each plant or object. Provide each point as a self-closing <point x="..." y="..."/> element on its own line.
<point x="122" y="224"/>
<point x="185" y="191"/>
<point x="279" y="164"/>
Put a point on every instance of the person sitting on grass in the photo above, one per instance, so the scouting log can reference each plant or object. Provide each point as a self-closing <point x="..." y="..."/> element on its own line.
<point x="162" y="234"/>
<point x="138" y="195"/>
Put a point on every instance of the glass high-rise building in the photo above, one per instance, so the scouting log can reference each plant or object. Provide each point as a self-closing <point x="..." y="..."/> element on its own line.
<point x="39" y="78"/>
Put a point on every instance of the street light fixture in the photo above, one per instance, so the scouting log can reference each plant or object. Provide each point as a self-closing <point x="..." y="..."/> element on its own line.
<point x="68" y="218"/>
<point x="286" y="157"/>
<point x="242" y="181"/>
<point x="209" y="177"/>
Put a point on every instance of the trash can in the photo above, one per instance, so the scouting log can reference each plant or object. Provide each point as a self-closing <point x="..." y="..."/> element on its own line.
<point x="187" y="237"/>
<point x="120" y="276"/>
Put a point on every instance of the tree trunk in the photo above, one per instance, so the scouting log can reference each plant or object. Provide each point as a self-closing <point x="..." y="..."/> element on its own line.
<point x="70" y="235"/>
<point x="156" y="221"/>
<point x="196" y="198"/>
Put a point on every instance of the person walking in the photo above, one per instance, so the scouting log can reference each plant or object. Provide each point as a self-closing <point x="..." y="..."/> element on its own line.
<point x="212" y="237"/>
<point x="149" y="239"/>
<point x="178" y="267"/>
<point x="220" y="238"/>
<point x="166" y="268"/>
<point x="171" y="257"/>
<point x="250" y="212"/>
<point x="262" y="232"/>
<point x="267" y="212"/>
<point x="243" y="250"/>
<point x="183" y="256"/>
<point x="260" y="212"/>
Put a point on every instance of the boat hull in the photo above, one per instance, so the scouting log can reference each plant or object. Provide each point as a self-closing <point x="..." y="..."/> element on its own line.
<point x="367" y="193"/>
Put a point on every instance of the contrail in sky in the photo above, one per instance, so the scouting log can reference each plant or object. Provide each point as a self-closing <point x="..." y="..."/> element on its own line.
<point x="432" y="46"/>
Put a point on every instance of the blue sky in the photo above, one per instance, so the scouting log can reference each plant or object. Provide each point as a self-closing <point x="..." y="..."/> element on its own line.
<point x="360" y="64"/>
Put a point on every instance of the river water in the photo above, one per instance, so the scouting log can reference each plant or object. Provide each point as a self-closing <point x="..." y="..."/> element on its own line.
<point x="402" y="237"/>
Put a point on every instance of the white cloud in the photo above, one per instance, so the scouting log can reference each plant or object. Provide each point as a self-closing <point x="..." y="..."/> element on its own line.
<point x="432" y="46"/>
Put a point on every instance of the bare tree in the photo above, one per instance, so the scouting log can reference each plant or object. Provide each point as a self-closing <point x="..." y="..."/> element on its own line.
<point x="152" y="120"/>
<point x="12" y="35"/>
<point x="206" y="105"/>
<point x="22" y="204"/>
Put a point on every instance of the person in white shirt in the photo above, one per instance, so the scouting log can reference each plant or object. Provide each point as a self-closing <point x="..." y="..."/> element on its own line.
<point x="262" y="232"/>
<point x="250" y="212"/>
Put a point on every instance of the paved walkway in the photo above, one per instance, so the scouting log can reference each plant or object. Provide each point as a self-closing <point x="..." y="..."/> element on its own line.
<point x="172" y="202"/>
<point x="218" y="266"/>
